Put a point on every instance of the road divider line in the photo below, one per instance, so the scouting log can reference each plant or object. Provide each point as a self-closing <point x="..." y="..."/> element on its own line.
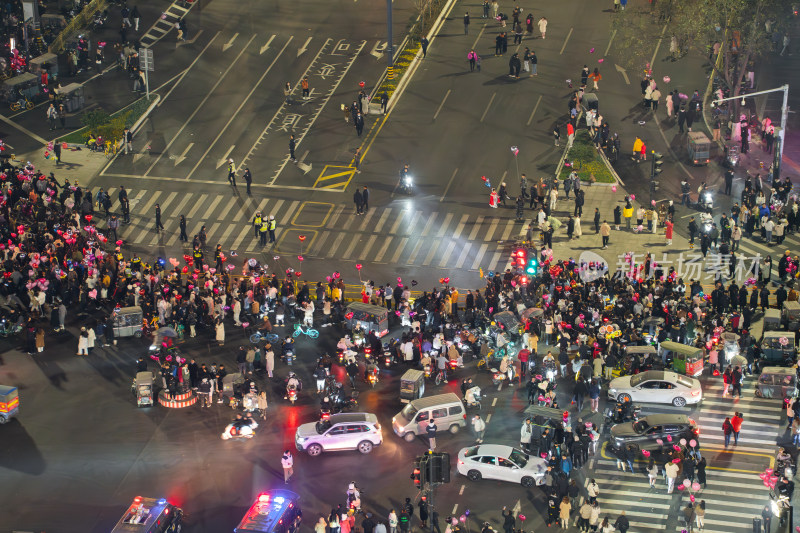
<point x="449" y="183"/>
<point x="611" y="40"/>
<point x="538" y="101"/>
<point x="488" y="106"/>
<point x="488" y="417"/>
<point x="478" y="38"/>
<point x="494" y="402"/>
<point x="185" y="72"/>
<point x="199" y="107"/>
<point x="566" y="41"/>
<point x="442" y="104"/>
<point x="241" y="105"/>
<point x="455" y="508"/>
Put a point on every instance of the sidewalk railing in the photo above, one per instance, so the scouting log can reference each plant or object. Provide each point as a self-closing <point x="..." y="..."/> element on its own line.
<point x="80" y="21"/>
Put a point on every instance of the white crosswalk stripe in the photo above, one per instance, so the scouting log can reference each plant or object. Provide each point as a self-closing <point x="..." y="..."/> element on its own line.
<point x="734" y="494"/>
<point x="437" y="239"/>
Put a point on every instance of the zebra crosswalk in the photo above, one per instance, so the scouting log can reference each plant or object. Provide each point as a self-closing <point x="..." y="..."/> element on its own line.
<point x="734" y="493"/>
<point x="384" y="235"/>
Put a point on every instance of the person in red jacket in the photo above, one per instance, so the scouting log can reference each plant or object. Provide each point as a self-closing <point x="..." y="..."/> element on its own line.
<point x="736" y="426"/>
<point x="523" y="356"/>
<point x="668" y="232"/>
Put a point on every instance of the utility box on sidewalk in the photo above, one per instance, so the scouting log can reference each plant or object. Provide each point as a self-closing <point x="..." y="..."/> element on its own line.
<point x="72" y="96"/>
<point x="47" y="62"/>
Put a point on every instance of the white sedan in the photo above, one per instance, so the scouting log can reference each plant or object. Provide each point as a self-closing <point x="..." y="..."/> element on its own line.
<point x="657" y="386"/>
<point x="504" y="463"/>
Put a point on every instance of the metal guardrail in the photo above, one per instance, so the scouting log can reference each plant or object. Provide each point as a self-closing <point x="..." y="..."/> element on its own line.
<point x="80" y="21"/>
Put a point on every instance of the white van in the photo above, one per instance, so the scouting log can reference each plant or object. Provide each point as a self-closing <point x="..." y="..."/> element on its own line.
<point x="446" y="409"/>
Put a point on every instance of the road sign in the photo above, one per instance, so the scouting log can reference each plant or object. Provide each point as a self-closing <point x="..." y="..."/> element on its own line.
<point x="146" y="59"/>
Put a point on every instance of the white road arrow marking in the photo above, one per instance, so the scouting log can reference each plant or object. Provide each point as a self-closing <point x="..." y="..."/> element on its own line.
<point x="378" y="49"/>
<point x="227" y="46"/>
<point x="181" y="158"/>
<point x="624" y="74"/>
<point x="225" y="157"/>
<point x="145" y="149"/>
<point x="266" y="46"/>
<point x="517" y="508"/>
<point x="304" y="47"/>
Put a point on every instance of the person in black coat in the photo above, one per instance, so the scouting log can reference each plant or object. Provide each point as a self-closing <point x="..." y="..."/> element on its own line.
<point x="358" y="199"/>
<point x="764" y="297"/>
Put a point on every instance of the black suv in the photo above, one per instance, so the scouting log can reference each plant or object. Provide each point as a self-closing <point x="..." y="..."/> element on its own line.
<point x="656" y="433"/>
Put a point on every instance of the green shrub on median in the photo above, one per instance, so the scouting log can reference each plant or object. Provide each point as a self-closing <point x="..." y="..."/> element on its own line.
<point x="586" y="161"/>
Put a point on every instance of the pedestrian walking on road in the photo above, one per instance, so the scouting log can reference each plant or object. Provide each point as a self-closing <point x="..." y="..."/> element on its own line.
<point x="365" y="199"/>
<point x="543" y="26"/>
<point x="359" y="124"/>
<point x="727" y="430"/>
<point x="52" y="115"/>
<point x="231" y="172"/>
<point x="595" y="77"/>
<point x="127" y="137"/>
<point x="287" y="462"/>
<point x="652" y="473"/>
<point x="159" y="225"/>
<point x="358" y="200"/>
<point x="671" y="472"/>
<point x="292" y="146"/>
<point x="423" y="43"/>
<point x="736" y="426"/>
<point x="466" y="23"/>
<point x="135" y="16"/>
<point x="305" y="87"/>
<point x="479" y="426"/>
<point x="431" y="432"/>
<point x="471" y="57"/>
<point x="182" y="224"/>
<point x="287" y="93"/>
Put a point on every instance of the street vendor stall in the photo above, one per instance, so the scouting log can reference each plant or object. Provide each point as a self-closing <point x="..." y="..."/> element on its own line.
<point x="686" y="359"/>
<point x="368" y="318"/>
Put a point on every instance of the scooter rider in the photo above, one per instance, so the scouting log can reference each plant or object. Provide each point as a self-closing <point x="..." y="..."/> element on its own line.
<point x="346" y="347"/>
<point x="622" y="410"/>
<point x="293" y="382"/>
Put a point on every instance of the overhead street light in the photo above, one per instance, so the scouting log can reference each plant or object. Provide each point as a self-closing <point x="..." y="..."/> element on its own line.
<point x="784" y="111"/>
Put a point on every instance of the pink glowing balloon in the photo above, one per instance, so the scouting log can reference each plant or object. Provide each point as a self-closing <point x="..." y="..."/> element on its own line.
<point x="692" y="443"/>
<point x="695" y="486"/>
<point x="613" y="188"/>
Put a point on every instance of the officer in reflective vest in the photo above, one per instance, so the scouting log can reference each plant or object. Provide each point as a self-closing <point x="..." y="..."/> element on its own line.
<point x="272" y="226"/>
<point x="198" y="259"/>
<point x="263" y="231"/>
<point x="257" y="223"/>
<point x="136" y="264"/>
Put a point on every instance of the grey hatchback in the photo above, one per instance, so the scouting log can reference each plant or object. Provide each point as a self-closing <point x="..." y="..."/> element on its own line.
<point x="656" y="433"/>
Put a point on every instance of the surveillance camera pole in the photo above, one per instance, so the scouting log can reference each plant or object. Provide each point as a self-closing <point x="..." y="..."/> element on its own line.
<point x="784" y="109"/>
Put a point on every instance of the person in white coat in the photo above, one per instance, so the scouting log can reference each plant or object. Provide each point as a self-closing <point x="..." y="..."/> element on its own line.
<point x="479" y="426"/>
<point x="90" y="338"/>
<point x="220" y="333"/>
<point x="83" y="342"/>
<point x="578" y="230"/>
<point x="269" y="361"/>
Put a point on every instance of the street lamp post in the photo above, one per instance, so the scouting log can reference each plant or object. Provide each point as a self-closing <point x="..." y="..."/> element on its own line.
<point x="389" y="47"/>
<point x="784" y="113"/>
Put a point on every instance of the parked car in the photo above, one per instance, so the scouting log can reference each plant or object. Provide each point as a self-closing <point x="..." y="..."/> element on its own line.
<point x="657" y="386"/>
<point x="656" y="433"/>
<point x="343" y="431"/>
<point x="504" y="463"/>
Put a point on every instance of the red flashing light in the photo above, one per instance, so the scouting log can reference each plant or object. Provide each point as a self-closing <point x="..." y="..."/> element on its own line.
<point x="137" y="499"/>
<point x="520" y="253"/>
<point x="263" y="498"/>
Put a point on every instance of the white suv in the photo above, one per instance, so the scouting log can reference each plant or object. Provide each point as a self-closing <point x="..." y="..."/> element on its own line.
<point x="344" y="431"/>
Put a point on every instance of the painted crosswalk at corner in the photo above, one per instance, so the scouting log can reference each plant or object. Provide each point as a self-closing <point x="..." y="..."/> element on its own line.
<point x="734" y="494"/>
<point x="394" y="234"/>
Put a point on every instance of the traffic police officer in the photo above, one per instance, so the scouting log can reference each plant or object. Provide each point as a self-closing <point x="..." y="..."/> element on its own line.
<point x="272" y="226"/>
<point x="198" y="258"/>
<point x="257" y="223"/>
<point x="263" y="231"/>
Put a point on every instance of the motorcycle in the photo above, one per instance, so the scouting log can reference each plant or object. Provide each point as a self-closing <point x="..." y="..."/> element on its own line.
<point x="372" y="375"/>
<point x="784" y="465"/>
<point x="293" y="386"/>
<point x="499" y="377"/>
<point x="406" y="181"/>
<point x="340" y="356"/>
<point x="291" y="393"/>
<point x="473" y="397"/>
<point x="99" y="21"/>
<point x="243" y="428"/>
<point x="388" y="358"/>
<point x="622" y="412"/>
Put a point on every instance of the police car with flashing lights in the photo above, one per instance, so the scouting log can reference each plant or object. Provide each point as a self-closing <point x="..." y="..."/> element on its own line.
<point x="274" y="511"/>
<point x="148" y="515"/>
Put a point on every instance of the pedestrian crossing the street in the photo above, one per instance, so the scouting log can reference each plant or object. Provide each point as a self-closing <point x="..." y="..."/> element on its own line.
<point x="384" y="235"/>
<point x="734" y="493"/>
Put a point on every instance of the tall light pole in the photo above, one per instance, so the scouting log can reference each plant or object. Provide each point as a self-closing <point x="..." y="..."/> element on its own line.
<point x="389" y="47"/>
<point x="784" y="116"/>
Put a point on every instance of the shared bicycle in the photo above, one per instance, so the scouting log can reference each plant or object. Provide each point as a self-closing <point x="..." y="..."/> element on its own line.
<point x="258" y="337"/>
<point x="300" y="329"/>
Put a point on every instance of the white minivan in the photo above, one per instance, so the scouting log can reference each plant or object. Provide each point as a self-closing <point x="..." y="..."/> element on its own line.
<point x="446" y="409"/>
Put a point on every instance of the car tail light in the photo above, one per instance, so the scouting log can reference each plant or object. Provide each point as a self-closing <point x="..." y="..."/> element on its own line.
<point x="460" y="462"/>
<point x="695" y="393"/>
